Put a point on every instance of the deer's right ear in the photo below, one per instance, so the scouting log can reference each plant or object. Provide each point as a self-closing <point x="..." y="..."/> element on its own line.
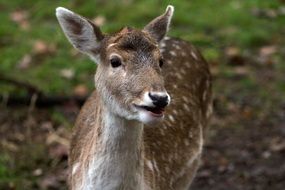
<point x="82" y="33"/>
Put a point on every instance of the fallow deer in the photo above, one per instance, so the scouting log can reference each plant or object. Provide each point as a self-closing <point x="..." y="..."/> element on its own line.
<point x="125" y="138"/>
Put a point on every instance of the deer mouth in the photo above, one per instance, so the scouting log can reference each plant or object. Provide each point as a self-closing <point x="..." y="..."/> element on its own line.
<point x="154" y="111"/>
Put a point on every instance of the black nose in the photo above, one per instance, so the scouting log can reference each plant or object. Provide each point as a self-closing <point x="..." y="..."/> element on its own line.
<point x="159" y="100"/>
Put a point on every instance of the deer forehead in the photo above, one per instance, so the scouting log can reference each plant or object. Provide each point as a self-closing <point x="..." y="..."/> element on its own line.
<point x="131" y="42"/>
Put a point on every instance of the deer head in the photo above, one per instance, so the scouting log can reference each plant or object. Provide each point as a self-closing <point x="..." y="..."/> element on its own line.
<point x="128" y="77"/>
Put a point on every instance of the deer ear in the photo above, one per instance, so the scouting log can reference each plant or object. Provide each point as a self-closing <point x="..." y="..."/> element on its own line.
<point x="160" y="25"/>
<point x="82" y="33"/>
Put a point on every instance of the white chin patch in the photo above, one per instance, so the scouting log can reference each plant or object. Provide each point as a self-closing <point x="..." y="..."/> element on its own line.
<point x="147" y="118"/>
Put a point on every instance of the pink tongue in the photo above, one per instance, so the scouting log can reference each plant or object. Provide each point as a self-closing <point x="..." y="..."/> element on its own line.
<point x="157" y="111"/>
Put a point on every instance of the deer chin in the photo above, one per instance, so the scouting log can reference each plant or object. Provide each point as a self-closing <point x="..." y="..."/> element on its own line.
<point x="149" y="115"/>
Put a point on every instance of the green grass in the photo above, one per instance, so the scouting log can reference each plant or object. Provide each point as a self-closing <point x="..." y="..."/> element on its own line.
<point x="209" y="24"/>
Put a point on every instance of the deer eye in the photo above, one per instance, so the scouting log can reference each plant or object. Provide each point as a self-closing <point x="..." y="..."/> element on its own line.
<point x="161" y="62"/>
<point x="115" y="62"/>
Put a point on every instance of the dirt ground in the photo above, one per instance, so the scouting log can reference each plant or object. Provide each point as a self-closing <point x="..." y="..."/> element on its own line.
<point x="242" y="152"/>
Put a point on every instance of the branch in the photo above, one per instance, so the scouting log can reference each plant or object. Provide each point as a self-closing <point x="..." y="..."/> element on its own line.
<point x="42" y="101"/>
<point x="27" y="86"/>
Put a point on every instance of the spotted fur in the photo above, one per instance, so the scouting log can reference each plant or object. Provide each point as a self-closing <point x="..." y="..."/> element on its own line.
<point x="113" y="146"/>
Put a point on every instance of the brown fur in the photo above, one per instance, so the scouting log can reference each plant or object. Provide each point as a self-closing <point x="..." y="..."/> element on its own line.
<point x="166" y="154"/>
<point x="166" y="144"/>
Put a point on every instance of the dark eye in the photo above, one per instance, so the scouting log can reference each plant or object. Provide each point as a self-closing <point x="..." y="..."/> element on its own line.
<point x="115" y="62"/>
<point x="161" y="62"/>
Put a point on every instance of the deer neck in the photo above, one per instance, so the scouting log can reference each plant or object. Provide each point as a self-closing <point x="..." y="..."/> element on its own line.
<point x="118" y="161"/>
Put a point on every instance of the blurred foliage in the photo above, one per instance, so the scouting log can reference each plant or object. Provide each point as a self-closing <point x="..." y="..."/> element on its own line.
<point x="35" y="34"/>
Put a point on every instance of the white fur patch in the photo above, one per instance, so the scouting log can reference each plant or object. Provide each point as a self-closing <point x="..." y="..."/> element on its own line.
<point x="75" y="168"/>
<point x="146" y="118"/>
<point x="146" y="100"/>
<point x="116" y="163"/>
<point x="111" y="45"/>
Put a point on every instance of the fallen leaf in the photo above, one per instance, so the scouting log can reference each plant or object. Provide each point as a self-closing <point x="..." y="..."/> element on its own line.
<point x="38" y="172"/>
<point x="55" y="138"/>
<point x="41" y="47"/>
<point x="80" y="90"/>
<point x="264" y="13"/>
<point x="50" y="182"/>
<point x="67" y="73"/>
<point x="58" y="151"/>
<point x="282" y="10"/>
<point x="266" y="154"/>
<point x="99" y="20"/>
<point x="267" y="51"/>
<point x="25" y="62"/>
<point x="47" y="126"/>
<point x="232" y="51"/>
<point x="234" y="56"/>
<point x="21" y="18"/>
<point x="74" y="52"/>
<point x="277" y="144"/>
<point x="9" y="145"/>
<point x="241" y="70"/>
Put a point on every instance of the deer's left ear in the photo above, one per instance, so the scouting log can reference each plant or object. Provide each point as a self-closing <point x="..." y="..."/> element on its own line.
<point x="158" y="27"/>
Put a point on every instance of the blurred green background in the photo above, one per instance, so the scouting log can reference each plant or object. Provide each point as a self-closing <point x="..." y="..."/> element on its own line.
<point x="243" y="41"/>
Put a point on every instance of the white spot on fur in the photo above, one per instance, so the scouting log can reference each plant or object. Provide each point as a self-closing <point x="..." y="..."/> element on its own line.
<point x="175" y="144"/>
<point x="209" y="110"/>
<point x="186" y="142"/>
<point x="149" y="165"/>
<point x="167" y="170"/>
<point x="188" y="64"/>
<point x="179" y="76"/>
<point x="172" y="53"/>
<point x="161" y="130"/>
<point x="194" y="55"/>
<point x="75" y="167"/>
<point x="183" y="71"/>
<point x="186" y="107"/>
<point x="155" y="165"/>
<point x="190" y="134"/>
<point x="171" y="118"/>
<point x="185" y="99"/>
<point x="204" y="95"/>
<point x="177" y="47"/>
